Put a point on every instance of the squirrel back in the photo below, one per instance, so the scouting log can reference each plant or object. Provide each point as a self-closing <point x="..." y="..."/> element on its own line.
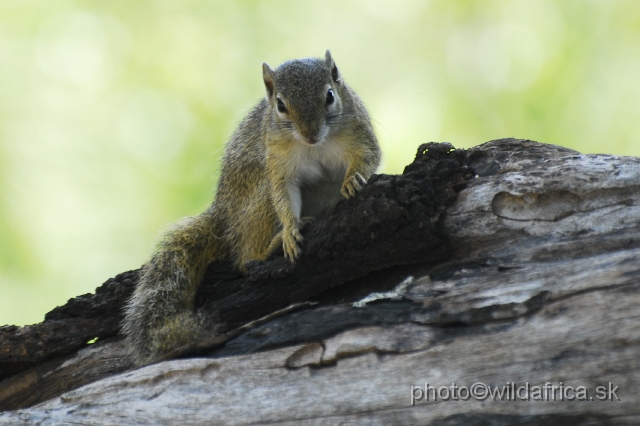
<point x="300" y="150"/>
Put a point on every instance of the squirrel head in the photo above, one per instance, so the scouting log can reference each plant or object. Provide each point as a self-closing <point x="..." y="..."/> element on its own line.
<point x="304" y="96"/>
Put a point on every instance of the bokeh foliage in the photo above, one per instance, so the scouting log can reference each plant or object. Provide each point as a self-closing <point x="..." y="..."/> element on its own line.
<point x="113" y="114"/>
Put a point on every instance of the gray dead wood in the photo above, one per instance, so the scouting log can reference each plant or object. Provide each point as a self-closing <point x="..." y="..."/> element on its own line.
<point x="543" y="285"/>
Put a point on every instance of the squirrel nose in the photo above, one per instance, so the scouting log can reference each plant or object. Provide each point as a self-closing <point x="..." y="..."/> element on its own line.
<point x="310" y="134"/>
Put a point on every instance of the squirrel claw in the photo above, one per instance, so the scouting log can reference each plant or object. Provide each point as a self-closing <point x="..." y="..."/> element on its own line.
<point x="290" y="246"/>
<point x="352" y="185"/>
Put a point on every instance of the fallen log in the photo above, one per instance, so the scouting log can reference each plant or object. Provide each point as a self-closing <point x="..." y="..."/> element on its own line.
<point x="540" y="285"/>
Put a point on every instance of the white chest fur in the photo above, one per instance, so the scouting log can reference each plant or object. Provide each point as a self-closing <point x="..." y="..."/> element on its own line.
<point x="316" y="178"/>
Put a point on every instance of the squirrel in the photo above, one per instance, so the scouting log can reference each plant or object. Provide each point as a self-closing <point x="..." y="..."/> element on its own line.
<point x="305" y="146"/>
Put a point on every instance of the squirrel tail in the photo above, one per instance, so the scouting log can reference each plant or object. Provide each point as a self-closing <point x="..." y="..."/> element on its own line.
<point x="160" y="314"/>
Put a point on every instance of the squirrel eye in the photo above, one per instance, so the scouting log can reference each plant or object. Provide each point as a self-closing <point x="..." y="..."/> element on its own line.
<point x="330" y="97"/>
<point x="281" y="106"/>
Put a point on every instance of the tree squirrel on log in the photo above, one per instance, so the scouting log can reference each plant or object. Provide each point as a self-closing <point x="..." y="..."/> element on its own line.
<point x="305" y="146"/>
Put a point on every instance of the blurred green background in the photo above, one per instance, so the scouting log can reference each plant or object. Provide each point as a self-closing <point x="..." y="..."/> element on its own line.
<point x="114" y="114"/>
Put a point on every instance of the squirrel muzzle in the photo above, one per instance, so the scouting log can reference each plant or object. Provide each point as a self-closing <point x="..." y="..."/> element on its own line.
<point x="310" y="133"/>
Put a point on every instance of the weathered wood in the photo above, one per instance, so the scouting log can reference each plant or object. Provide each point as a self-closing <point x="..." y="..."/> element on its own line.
<point x="361" y="235"/>
<point x="542" y="285"/>
<point x="53" y="378"/>
<point x="66" y="328"/>
<point x="364" y="374"/>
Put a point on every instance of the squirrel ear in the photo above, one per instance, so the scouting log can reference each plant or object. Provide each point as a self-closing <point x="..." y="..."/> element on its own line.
<point x="267" y="76"/>
<point x="328" y="60"/>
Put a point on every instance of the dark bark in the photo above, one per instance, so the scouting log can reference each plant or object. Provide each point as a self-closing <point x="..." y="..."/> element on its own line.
<point x="392" y="221"/>
<point x="67" y="328"/>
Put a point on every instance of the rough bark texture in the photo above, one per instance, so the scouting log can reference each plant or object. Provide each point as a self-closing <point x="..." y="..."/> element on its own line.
<point x="541" y="285"/>
<point x="392" y="221"/>
<point x="66" y="328"/>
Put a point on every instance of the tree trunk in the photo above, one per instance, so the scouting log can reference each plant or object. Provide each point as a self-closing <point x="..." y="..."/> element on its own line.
<point x="526" y="283"/>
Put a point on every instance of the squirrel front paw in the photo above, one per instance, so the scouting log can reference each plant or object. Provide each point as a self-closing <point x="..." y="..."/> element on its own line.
<point x="352" y="185"/>
<point x="290" y="240"/>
